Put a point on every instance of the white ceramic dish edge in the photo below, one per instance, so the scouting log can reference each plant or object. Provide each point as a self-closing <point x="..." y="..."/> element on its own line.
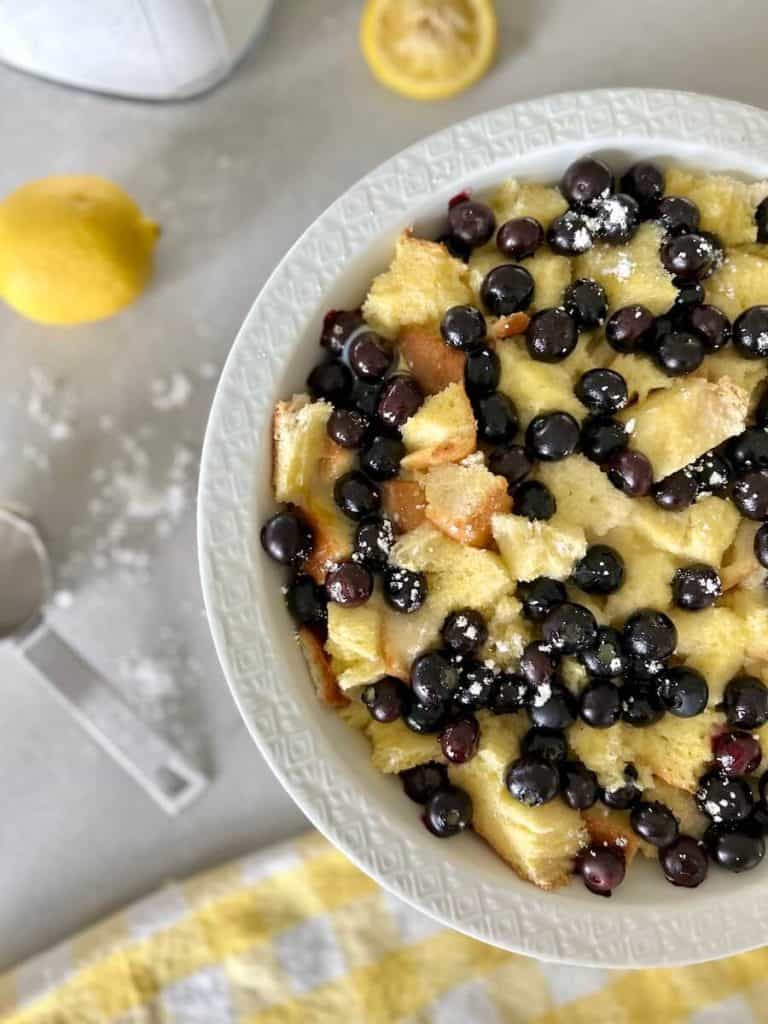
<point x="322" y="764"/>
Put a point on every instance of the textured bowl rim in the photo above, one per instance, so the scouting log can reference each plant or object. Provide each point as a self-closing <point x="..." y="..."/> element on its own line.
<point x="547" y="926"/>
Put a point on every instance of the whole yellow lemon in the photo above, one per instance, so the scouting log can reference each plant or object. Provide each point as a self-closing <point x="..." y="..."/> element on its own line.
<point x="73" y="248"/>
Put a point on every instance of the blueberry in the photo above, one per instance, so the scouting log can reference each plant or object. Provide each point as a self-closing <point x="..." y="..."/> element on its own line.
<point x="482" y="372"/>
<point x="433" y="678"/>
<point x="518" y="238"/>
<point x="532" y="781"/>
<point x="348" y="584"/>
<point x="401" y="397"/>
<point x="630" y="328"/>
<point x="684" y="862"/>
<point x="552" y="436"/>
<point x="725" y="799"/>
<point x="675" y="492"/>
<point x="338" y="327"/>
<point x="385" y="699"/>
<point x="463" y="327"/>
<point x="476" y="686"/>
<point x="587" y="303"/>
<point x="471" y="223"/>
<point x="600" y="704"/>
<point x="631" y="472"/>
<point x="586" y="180"/>
<point x="621" y="798"/>
<point x="553" y="706"/>
<point x="347" y="427"/>
<point x="683" y="691"/>
<point x="711" y="473"/>
<point x="369" y="357"/>
<point x="464" y="631"/>
<point x="711" y="325"/>
<point x="750" y="495"/>
<point x="578" y="785"/>
<point x="737" y="752"/>
<point x="448" y="812"/>
<point x="533" y="500"/>
<point x="288" y="538"/>
<point x="331" y="382"/>
<point x="570" y="628"/>
<point x="678" y="215"/>
<point x="424" y="719"/>
<point x="649" y="634"/>
<point x="307" y="602"/>
<point x="750" y="333"/>
<point x="404" y="590"/>
<point x="644" y="181"/>
<point x="641" y="705"/>
<point x="507" y="289"/>
<point x="497" y="419"/>
<point x="696" y="587"/>
<point x="689" y="293"/>
<point x="679" y="353"/>
<point x="457" y="249"/>
<point x="606" y="658"/>
<point x="602" y="868"/>
<point x="365" y="397"/>
<point x="510" y="692"/>
<point x="541" y="596"/>
<point x="602" y="391"/>
<point x="551" y="335"/>
<point x="422" y="782"/>
<point x="600" y="571"/>
<point x="374" y="539"/>
<point x="458" y="740"/>
<point x="615" y="218"/>
<point x="547" y="744"/>
<point x="654" y="823"/>
<point x="356" y="495"/>
<point x="761" y="219"/>
<point x="645" y="669"/>
<point x="570" y="234"/>
<point x="602" y="438"/>
<point x="745" y="702"/>
<point x="761" y="545"/>
<point x="734" y="850"/>
<point x="537" y="665"/>
<point x="749" y="450"/>
<point x="381" y="457"/>
<point x="510" y="461"/>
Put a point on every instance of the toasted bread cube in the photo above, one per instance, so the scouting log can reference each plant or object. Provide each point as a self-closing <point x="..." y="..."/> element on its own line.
<point x="422" y="282"/>
<point x="299" y="438"/>
<point x="606" y="752"/>
<point x="676" y="750"/>
<point x="648" y="573"/>
<point x="701" y="533"/>
<point x="551" y="273"/>
<point x="527" y="199"/>
<point x="745" y="373"/>
<point x="573" y="674"/>
<point x="727" y="206"/>
<point x="320" y="670"/>
<point x="508" y="633"/>
<point x="642" y="375"/>
<point x="740" y="567"/>
<point x="741" y="282"/>
<point x="355" y="714"/>
<point x="442" y="430"/>
<point x="534" y="548"/>
<point x="434" y="364"/>
<point x="584" y="495"/>
<point x="461" y="501"/>
<point x="354" y="643"/>
<point x="607" y="827"/>
<point x="540" y="843"/>
<point x="397" y="748"/>
<point x="333" y="531"/>
<point x="631" y="273"/>
<point x="535" y="387"/>
<point x="675" y="426"/>
<point x="712" y="641"/>
<point x="752" y="608"/>
<point x="404" y="637"/>
<point x="405" y="502"/>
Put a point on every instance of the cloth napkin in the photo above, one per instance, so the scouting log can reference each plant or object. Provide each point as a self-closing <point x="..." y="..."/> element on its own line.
<point x="297" y="935"/>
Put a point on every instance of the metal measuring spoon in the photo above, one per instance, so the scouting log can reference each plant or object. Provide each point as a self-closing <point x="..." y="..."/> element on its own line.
<point x="26" y="585"/>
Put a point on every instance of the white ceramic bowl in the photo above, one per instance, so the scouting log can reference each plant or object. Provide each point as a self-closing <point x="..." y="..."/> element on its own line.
<point x="320" y="761"/>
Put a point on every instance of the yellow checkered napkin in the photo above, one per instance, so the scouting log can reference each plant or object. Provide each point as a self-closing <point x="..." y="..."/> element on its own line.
<point x="297" y="935"/>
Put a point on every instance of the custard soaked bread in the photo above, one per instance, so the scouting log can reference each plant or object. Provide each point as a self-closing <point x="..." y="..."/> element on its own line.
<point x="526" y="502"/>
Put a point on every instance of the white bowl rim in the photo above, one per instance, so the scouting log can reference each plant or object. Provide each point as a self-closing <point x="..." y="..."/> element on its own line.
<point x="662" y="933"/>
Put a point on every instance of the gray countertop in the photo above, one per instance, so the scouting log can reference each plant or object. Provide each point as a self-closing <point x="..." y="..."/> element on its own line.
<point x="101" y="426"/>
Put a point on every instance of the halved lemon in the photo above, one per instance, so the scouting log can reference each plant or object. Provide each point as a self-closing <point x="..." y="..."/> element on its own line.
<point x="428" y="49"/>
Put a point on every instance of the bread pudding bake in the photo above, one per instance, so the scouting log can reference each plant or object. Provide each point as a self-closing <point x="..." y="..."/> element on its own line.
<point x="526" y="519"/>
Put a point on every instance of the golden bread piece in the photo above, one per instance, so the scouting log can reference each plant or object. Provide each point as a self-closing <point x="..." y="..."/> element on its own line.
<point x="642" y="375"/>
<point x="434" y="364"/>
<point x="648" y="573"/>
<point x="442" y="430"/>
<point x="682" y="804"/>
<point x="422" y="282"/>
<point x="676" y="750"/>
<point x="607" y="752"/>
<point x="712" y="641"/>
<point x="355" y="643"/>
<point x="584" y="495"/>
<point x="675" y="426"/>
<point x="535" y="387"/>
<point x="461" y="501"/>
<point x="752" y="608"/>
<point x="355" y="714"/>
<point x="746" y="373"/>
<point x="397" y="748"/>
<point x="573" y="673"/>
<point x="404" y="502"/>
<point x="320" y="671"/>
<point x="540" y="843"/>
<point x="632" y="273"/>
<point x="701" y="533"/>
<point x="535" y="548"/>
<point x="404" y="637"/>
<point x="508" y="633"/>
<point x="727" y="206"/>
<point x="740" y="567"/>
<point x="527" y="199"/>
<point x="741" y="282"/>
<point x="607" y="827"/>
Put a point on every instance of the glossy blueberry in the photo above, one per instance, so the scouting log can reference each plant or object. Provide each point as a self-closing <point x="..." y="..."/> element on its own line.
<point x="553" y="706"/>
<point x="497" y="419"/>
<point x="725" y="799"/>
<point x="331" y="382"/>
<point x="448" y="812"/>
<point x="678" y="215"/>
<point x="471" y="223"/>
<point x="641" y="705"/>
<point x="684" y="862"/>
<point x="380" y="459"/>
<point x="537" y="665"/>
<point x="307" y="601"/>
<point x="288" y="538"/>
<point x="745" y="702"/>
<point x="349" y="584"/>
<point x="586" y="302"/>
<point x="547" y="744"/>
<point x="605" y="659"/>
<point x="600" y="571"/>
<point x="689" y="293"/>
<point x="476" y="685"/>
<point x="602" y="391"/>
<point x="602" y="438"/>
<point x="510" y="692"/>
<point x="586" y="180"/>
<point x="356" y="495"/>
<point x="551" y="335"/>
<point x="552" y="436"/>
<point x="631" y="472"/>
<point x="750" y="495"/>
<point x="464" y="631"/>
<point x="404" y="590"/>
<point x="649" y="634"/>
<point x="629" y="328"/>
<point x="679" y="353"/>
<point x="463" y="327"/>
<point x="750" y="333"/>
<point x="570" y="628"/>
<point x="735" y="850"/>
<point x="570" y="234"/>
<point x="644" y="181"/>
<point x="385" y="699"/>
<point x="712" y="474"/>
<point x="533" y="500"/>
<point x="749" y="450"/>
<point x="683" y="691"/>
<point x="507" y="289"/>
<point x="532" y="781"/>
<point x="520" y="237"/>
<point x="695" y="587"/>
<point x="654" y="823"/>
<point x="422" y="782"/>
<point x="374" y="539"/>
<point x="482" y="372"/>
<point x="761" y="219"/>
<point x="615" y="218"/>
<point x="338" y="327"/>
<point x="424" y="719"/>
<point x="600" y="704"/>
<point x="711" y="325"/>
<point x="510" y="461"/>
<point x="433" y="678"/>
<point x="347" y="427"/>
<point x="676" y="491"/>
<point x="369" y="357"/>
<point x="578" y="785"/>
<point x="736" y="752"/>
<point x="541" y="596"/>
<point x="621" y="798"/>
<point x="761" y="545"/>
<point x="365" y="397"/>
<point x="401" y="397"/>
<point x="458" y="740"/>
<point x="602" y="868"/>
